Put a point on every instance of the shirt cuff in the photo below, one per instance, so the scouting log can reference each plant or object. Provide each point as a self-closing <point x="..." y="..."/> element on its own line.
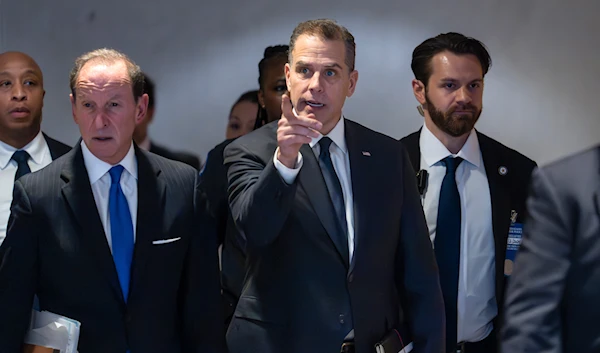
<point x="288" y="174"/>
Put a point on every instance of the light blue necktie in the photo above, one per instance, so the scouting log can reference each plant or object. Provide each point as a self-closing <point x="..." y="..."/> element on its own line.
<point x="121" y="228"/>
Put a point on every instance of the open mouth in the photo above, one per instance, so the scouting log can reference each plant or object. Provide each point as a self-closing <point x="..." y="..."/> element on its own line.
<point x="102" y="139"/>
<point x="314" y="104"/>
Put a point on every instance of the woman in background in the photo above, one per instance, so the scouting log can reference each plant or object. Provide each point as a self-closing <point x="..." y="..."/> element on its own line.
<point x="272" y="85"/>
<point x="242" y="116"/>
<point x="271" y="80"/>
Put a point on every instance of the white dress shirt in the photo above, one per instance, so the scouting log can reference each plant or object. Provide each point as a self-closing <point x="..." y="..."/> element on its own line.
<point x="341" y="164"/>
<point x="40" y="157"/>
<point x="476" y="288"/>
<point x="100" y="180"/>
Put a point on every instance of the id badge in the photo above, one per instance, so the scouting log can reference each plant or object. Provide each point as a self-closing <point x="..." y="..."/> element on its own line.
<point x="515" y="234"/>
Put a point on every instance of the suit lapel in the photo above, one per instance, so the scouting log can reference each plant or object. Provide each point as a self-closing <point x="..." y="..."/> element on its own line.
<point x="53" y="153"/>
<point x="151" y="202"/>
<point x="78" y="194"/>
<point x="500" y="197"/>
<point x="56" y="149"/>
<point x="360" y="166"/>
<point x="311" y="179"/>
<point x="411" y="143"/>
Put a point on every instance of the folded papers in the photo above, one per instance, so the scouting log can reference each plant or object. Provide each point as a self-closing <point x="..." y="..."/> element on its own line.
<point x="51" y="333"/>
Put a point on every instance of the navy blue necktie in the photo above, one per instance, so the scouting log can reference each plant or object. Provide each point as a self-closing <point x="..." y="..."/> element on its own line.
<point x="121" y="229"/>
<point x="21" y="157"/>
<point x="447" y="247"/>
<point x="335" y="193"/>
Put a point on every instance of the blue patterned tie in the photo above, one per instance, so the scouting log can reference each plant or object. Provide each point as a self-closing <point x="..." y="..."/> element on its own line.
<point x="447" y="247"/>
<point x="121" y="228"/>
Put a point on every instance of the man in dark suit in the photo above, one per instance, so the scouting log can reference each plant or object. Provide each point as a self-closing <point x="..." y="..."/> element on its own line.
<point x="140" y="135"/>
<point x="213" y="181"/>
<point x="473" y="188"/>
<point x="23" y="147"/>
<point x="271" y="82"/>
<point x="336" y="241"/>
<point x="552" y="299"/>
<point x="110" y="235"/>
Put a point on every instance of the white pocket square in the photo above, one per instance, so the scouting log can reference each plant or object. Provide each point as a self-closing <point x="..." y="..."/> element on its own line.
<point x="165" y="241"/>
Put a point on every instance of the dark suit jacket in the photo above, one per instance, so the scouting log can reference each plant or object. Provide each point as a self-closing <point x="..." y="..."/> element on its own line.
<point x="508" y="192"/>
<point x="300" y="295"/>
<point x="57" y="149"/>
<point x="184" y="157"/>
<point x="552" y="298"/>
<point x="213" y="181"/>
<point x="56" y="248"/>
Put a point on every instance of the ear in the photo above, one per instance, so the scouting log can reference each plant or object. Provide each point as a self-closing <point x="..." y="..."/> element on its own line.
<point x="72" y="99"/>
<point x="353" y="81"/>
<point x="419" y="91"/>
<point x="288" y="72"/>
<point x="261" y="98"/>
<point x="141" y="109"/>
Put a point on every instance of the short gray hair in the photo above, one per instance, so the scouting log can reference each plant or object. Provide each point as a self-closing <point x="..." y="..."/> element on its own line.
<point x="109" y="56"/>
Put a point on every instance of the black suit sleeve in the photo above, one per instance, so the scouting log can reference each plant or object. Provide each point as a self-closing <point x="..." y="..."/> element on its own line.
<point x="419" y="278"/>
<point x="255" y="191"/>
<point x="18" y="272"/>
<point x="202" y="315"/>
<point x="535" y="291"/>
<point x="214" y="184"/>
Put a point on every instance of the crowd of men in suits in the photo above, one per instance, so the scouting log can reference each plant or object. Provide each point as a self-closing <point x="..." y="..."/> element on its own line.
<point x="344" y="238"/>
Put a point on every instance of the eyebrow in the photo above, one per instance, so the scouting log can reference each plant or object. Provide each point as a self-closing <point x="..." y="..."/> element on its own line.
<point x="328" y="66"/>
<point x="30" y="71"/>
<point x="450" y="79"/>
<point x="334" y="65"/>
<point x="82" y="95"/>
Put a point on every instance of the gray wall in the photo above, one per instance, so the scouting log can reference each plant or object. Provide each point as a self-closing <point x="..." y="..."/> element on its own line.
<point x="540" y="96"/>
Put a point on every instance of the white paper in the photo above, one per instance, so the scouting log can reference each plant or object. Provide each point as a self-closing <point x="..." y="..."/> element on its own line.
<point x="407" y="349"/>
<point x="53" y="331"/>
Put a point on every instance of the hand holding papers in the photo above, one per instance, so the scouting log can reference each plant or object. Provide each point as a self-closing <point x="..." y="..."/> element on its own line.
<point x="49" y="332"/>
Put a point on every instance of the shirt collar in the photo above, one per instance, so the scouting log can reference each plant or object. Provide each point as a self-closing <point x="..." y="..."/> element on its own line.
<point x="37" y="149"/>
<point x="96" y="167"/>
<point x="337" y="135"/>
<point x="433" y="150"/>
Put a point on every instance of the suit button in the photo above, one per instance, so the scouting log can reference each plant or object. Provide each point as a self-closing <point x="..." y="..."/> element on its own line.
<point x="342" y="321"/>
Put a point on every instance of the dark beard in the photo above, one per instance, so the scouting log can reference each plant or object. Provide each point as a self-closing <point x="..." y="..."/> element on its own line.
<point x="453" y="125"/>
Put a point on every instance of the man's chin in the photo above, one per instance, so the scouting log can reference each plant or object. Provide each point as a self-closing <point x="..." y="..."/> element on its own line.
<point x="22" y="129"/>
<point x="22" y="124"/>
<point x="457" y="131"/>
